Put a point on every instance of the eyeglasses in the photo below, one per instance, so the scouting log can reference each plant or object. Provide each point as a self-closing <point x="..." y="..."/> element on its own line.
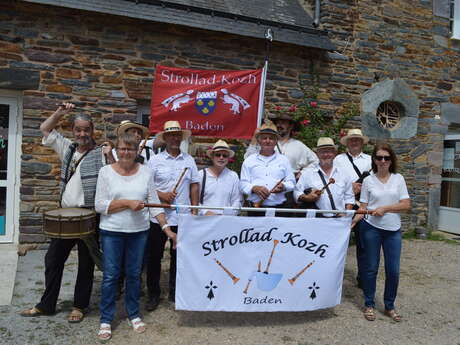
<point x="383" y="158"/>
<point x="223" y="155"/>
<point x="125" y="149"/>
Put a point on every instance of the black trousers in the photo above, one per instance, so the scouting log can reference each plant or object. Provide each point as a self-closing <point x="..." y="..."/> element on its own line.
<point x="55" y="258"/>
<point x="277" y="213"/>
<point x="155" y="248"/>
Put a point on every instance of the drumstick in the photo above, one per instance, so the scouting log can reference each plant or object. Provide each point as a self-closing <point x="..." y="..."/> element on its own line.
<point x="142" y="146"/>
<point x="293" y="279"/>
<point x="235" y="279"/>
<point x="245" y="291"/>
<point x="179" y="180"/>
<point x="331" y="181"/>
<point x="275" y="243"/>
<point x="259" y="203"/>
<point x="62" y="105"/>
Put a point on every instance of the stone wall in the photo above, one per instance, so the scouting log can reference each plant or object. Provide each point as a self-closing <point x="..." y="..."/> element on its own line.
<point x="105" y="65"/>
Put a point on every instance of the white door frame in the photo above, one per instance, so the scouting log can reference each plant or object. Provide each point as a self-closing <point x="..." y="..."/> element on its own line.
<point x="14" y="100"/>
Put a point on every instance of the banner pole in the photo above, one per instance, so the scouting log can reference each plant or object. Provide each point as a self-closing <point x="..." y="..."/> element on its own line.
<point x="268" y="42"/>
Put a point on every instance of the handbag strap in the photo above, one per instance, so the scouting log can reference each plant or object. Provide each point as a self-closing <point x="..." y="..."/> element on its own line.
<point x="354" y="166"/>
<point x="331" y="199"/>
<point x="203" y="185"/>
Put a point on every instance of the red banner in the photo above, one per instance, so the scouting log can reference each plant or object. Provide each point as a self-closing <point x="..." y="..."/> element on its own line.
<point x="221" y="104"/>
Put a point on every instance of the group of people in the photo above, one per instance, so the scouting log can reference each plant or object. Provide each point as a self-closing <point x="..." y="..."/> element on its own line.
<point x="126" y="185"/>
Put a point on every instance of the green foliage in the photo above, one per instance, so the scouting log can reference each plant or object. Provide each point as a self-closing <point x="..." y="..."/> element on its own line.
<point x="314" y="122"/>
<point x="237" y="160"/>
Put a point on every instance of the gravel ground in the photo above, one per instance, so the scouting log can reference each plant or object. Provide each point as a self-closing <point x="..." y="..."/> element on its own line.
<point x="428" y="301"/>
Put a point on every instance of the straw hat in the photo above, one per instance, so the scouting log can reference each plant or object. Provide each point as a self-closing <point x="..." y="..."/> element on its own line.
<point x="220" y="145"/>
<point x="280" y="116"/>
<point x="325" y="142"/>
<point x="267" y="128"/>
<point x="172" y="127"/>
<point x="354" y="133"/>
<point x="127" y="124"/>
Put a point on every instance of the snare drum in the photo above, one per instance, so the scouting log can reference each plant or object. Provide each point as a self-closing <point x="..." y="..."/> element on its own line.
<point x="69" y="222"/>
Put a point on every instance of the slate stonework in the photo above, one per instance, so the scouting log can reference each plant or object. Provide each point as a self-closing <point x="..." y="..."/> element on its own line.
<point x="106" y="63"/>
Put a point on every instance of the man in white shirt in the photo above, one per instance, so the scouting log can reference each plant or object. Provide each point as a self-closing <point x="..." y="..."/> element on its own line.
<point x="313" y="183"/>
<point x="267" y="176"/>
<point x="358" y="165"/>
<point x="298" y="154"/>
<point x="219" y="186"/>
<point x="81" y="161"/>
<point x="177" y="182"/>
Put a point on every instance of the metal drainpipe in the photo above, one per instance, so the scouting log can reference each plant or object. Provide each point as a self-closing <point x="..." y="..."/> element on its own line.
<point x="317" y="13"/>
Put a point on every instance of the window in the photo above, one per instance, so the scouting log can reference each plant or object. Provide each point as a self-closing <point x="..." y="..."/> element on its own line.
<point x="389" y="114"/>
<point x="455" y="18"/>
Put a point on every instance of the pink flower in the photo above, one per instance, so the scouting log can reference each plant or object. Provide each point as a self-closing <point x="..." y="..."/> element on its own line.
<point x="292" y="108"/>
<point x="305" y="122"/>
<point x="342" y="133"/>
<point x="313" y="104"/>
<point x="278" y="108"/>
<point x="231" y="160"/>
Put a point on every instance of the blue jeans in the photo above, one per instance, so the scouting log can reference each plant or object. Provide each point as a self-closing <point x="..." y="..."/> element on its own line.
<point x="373" y="238"/>
<point x="121" y="250"/>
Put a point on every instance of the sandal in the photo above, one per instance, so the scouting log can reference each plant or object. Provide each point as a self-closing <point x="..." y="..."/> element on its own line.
<point x="393" y="314"/>
<point x="34" y="311"/>
<point x="369" y="313"/>
<point x="75" y="316"/>
<point x="137" y="324"/>
<point x="105" y="332"/>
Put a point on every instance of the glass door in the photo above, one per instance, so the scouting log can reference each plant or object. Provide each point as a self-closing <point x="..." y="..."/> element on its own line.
<point x="449" y="210"/>
<point x="8" y="174"/>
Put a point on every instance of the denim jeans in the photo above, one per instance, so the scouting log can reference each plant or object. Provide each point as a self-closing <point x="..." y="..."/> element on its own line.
<point x="121" y="250"/>
<point x="373" y="238"/>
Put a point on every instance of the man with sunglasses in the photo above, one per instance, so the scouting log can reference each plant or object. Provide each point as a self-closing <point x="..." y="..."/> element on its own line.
<point x="357" y="165"/>
<point x="219" y="186"/>
<point x="267" y="176"/>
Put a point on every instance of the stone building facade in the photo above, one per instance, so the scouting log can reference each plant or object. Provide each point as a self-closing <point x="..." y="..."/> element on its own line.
<point x="104" y="63"/>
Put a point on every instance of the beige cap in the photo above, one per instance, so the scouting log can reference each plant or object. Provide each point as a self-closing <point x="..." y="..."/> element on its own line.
<point x="174" y="126"/>
<point x="220" y="145"/>
<point x="354" y="133"/>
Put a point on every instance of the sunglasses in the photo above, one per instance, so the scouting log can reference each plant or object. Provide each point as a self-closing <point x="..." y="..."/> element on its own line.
<point x="223" y="155"/>
<point x="383" y="158"/>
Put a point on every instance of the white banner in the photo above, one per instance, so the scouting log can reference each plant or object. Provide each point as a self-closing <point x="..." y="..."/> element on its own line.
<point x="254" y="264"/>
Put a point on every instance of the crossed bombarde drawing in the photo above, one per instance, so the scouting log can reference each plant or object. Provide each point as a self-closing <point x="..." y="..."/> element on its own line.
<point x="265" y="281"/>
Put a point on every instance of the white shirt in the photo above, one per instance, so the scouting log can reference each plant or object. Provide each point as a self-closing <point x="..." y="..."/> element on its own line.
<point x="73" y="192"/>
<point x="222" y="190"/>
<point x="258" y="170"/>
<point x="166" y="172"/>
<point x="341" y="190"/>
<point x="113" y="186"/>
<point x="298" y="154"/>
<point x="362" y="161"/>
<point x="377" y="194"/>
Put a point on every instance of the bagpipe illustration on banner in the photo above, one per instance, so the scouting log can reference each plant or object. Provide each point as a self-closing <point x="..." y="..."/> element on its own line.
<point x="258" y="264"/>
<point x="223" y="104"/>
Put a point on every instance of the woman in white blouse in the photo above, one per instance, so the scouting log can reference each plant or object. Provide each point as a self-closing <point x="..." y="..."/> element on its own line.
<point x="219" y="186"/>
<point x="385" y="194"/>
<point x="122" y="190"/>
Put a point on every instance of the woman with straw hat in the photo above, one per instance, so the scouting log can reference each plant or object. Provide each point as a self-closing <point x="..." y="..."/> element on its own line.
<point x="219" y="185"/>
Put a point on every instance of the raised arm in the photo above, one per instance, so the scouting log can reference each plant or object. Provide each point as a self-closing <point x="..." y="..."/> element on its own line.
<point x="51" y="122"/>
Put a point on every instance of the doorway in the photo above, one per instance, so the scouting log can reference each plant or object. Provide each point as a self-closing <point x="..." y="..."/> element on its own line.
<point x="449" y="209"/>
<point x="9" y="166"/>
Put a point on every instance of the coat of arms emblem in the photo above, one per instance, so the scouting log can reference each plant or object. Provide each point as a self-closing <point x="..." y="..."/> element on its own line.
<point x="206" y="102"/>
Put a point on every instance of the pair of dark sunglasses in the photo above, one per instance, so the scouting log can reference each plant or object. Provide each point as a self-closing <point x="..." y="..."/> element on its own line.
<point x="223" y="155"/>
<point x="383" y="158"/>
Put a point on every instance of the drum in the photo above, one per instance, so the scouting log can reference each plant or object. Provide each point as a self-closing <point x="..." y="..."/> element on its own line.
<point x="69" y="222"/>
